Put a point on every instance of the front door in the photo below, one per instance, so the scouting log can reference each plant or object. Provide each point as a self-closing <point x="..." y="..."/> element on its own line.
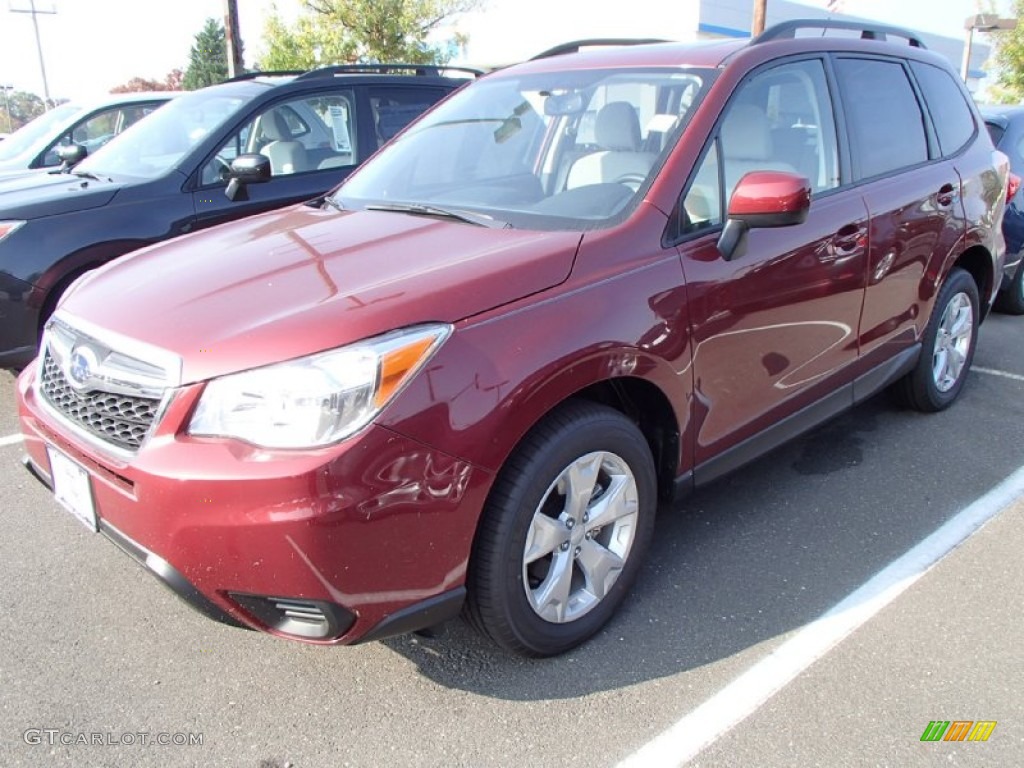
<point x="775" y="328"/>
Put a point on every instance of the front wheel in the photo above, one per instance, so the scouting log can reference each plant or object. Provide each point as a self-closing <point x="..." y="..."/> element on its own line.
<point x="948" y="346"/>
<point x="564" y="531"/>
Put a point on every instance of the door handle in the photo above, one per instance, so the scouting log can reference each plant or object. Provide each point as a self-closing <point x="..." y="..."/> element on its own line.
<point x="848" y="241"/>
<point x="946" y="196"/>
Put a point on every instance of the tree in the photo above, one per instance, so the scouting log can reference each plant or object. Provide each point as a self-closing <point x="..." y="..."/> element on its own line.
<point x="346" y="31"/>
<point x="1008" y="54"/>
<point x="18" y="108"/>
<point x="171" y="82"/>
<point x="208" y="60"/>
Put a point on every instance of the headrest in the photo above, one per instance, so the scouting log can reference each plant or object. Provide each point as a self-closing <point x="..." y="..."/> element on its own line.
<point x="274" y="127"/>
<point x="617" y="127"/>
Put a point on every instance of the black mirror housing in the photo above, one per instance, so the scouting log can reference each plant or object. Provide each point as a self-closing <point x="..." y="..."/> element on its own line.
<point x="251" y="168"/>
<point x="72" y="154"/>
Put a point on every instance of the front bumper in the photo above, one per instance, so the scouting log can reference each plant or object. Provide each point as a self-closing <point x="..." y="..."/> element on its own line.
<point x="369" y="537"/>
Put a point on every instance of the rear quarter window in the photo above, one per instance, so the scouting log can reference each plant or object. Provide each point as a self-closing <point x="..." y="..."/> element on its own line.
<point x="996" y="132"/>
<point x="951" y="116"/>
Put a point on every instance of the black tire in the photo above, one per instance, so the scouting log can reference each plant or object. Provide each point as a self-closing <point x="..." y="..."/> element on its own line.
<point x="932" y="386"/>
<point x="503" y="588"/>
<point x="1010" y="300"/>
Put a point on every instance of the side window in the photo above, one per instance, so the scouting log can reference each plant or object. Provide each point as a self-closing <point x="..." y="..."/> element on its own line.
<point x="314" y="133"/>
<point x="92" y="133"/>
<point x="885" y="121"/>
<point x="782" y="120"/>
<point x="702" y="206"/>
<point x="393" y="108"/>
<point x="951" y="116"/>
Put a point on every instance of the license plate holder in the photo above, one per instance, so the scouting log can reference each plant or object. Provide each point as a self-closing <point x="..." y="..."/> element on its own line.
<point x="72" y="488"/>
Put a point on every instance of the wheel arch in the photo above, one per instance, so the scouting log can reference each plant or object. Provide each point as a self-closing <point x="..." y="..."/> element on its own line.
<point x="978" y="263"/>
<point x="59" y="276"/>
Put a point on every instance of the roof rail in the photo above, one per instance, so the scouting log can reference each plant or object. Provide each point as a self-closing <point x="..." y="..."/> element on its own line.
<point x="576" y="45"/>
<point x="268" y="73"/>
<point x="868" y="30"/>
<point x="421" y="70"/>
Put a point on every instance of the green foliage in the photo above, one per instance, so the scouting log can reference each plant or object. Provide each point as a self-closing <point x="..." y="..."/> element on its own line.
<point x="208" y="60"/>
<point x="23" y="106"/>
<point x="1009" y="58"/>
<point x="348" y="31"/>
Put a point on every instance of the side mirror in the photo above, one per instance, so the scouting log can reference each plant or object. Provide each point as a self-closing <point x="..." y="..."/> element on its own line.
<point x="763" y="199"/>
<point x="71" y="155"/>
<point x="247" y="169"/>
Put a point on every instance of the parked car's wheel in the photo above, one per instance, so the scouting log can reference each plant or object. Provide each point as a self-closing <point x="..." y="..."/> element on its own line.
<point x="564" y="531"/>
<point x="1010" y="300"/>
<point x="948" y="346"/>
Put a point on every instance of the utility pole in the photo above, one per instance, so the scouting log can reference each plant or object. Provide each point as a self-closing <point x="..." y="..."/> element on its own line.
<point x="235" y="66"/>
<point x="7" y="106"/>
<point x="757" y="27"/>
<point x="39" y="46"/>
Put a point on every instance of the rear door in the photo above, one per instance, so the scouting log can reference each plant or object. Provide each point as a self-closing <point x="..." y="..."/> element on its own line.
<point x="775" y="328"/>
<point x="912" y="193"/>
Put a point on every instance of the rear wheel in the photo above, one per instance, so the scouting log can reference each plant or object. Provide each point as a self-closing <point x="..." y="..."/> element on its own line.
<point x="948" y="346"/>
<point x="564" y="531"/>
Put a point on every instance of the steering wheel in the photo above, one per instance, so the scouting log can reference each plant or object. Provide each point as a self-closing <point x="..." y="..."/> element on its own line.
<point x="631" y="180"/>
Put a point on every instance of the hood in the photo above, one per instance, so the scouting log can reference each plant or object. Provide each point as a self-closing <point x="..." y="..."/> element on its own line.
<point x="290" y="283"/>
<point x="36" y="195"/>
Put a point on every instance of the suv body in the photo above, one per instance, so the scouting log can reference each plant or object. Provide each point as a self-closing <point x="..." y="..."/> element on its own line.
<point x="169" y="176"/>
<point x="1006" y="126"/>
<point x="467" y="378"/>
<point x="90" y="124"/>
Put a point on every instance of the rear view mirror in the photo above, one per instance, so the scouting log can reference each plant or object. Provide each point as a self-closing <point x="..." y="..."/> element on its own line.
<point x="763" y="199"/>
<point x="246" y="169"/>
<point x="557" y="104"/>
<point x="71" y="154"/>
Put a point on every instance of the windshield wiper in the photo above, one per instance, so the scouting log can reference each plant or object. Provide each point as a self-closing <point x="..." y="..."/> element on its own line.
<point x="328" y="200"/>
<point x="88" y="175"/>
<point x="420" y="209"/>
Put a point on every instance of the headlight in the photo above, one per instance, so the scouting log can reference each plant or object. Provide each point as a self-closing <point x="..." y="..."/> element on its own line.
<point x="8" y="227"/>
<point x="316" y="400"/>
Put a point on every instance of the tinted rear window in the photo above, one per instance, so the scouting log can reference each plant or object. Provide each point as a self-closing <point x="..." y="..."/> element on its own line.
<point x="953" y="120"/>
<point x="996" y="132"/>
<point x="885" y="120"/>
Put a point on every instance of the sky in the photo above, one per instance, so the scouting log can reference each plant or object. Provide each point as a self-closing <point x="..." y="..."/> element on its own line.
<point x="90" y="46"/>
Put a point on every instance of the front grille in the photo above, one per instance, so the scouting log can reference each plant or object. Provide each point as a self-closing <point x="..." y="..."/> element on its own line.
<point x="120" y="420"/>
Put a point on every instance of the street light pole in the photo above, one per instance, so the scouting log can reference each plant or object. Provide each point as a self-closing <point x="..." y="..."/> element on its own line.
<point x="39" y="46"/>
<point x="982" y="22"/>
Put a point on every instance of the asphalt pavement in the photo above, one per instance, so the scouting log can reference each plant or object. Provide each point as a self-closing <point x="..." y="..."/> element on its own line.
<point x="96" y="653"/>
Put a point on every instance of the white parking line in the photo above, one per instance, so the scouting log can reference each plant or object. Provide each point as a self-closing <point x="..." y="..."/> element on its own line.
<point x="744" y="695"/>
<point x="994" y="372"/>
<point x="10" y="440"/>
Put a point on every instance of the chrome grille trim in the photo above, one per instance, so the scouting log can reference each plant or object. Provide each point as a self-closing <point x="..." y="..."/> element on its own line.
<point x="115" y="399"/>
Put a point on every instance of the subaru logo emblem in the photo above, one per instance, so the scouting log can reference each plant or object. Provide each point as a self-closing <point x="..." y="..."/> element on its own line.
<point x="82" y="363"/>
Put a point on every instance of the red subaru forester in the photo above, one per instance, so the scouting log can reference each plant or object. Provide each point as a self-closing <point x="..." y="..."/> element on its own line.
<point x="580" y="285"/>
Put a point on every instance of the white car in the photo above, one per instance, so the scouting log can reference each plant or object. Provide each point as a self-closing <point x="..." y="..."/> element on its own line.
<point x="89" y="123"/>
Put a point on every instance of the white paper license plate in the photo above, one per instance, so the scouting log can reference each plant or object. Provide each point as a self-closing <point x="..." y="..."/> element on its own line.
<point x="72" y="488"/>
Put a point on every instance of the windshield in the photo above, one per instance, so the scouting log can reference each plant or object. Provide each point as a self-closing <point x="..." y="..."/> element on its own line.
<point x="153" y="146"/>
<point x="37" y="132"/>
<point x="557" y="150"/>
